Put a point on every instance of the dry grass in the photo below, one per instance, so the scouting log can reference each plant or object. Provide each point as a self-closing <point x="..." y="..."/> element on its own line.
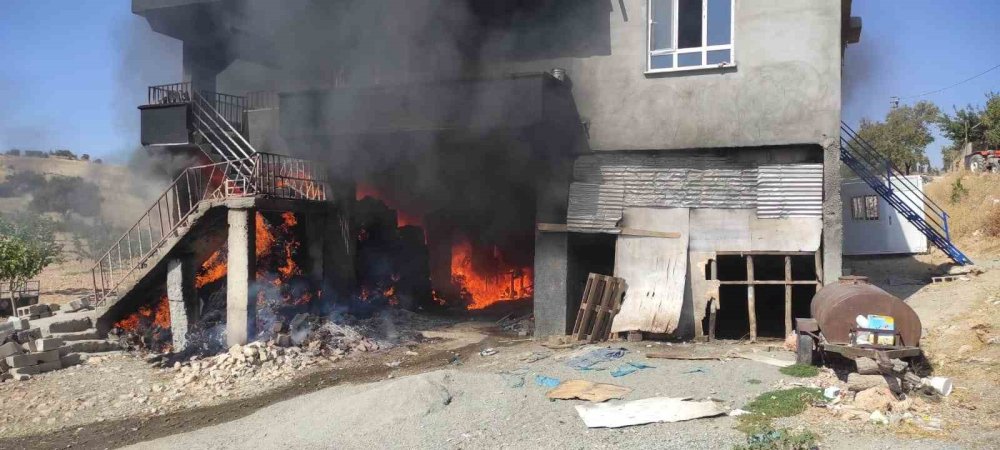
<point x="974" y="218"/>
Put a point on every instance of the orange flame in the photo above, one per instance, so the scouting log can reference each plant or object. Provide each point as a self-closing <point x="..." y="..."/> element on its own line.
<point x="507" y="283"/>
<point x="213" y="269"/>
<point x="403" y="217"/>
<point x="158" y="317"/>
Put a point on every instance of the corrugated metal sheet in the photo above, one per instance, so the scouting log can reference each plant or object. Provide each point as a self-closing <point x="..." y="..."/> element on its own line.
<point x="594" y="207"/>
<point x="682" y="180"/>
<point x="789" y="190"/>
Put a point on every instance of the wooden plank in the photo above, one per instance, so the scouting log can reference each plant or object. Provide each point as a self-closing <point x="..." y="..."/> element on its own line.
<point x="713" y="305"/>
<point x="553" y="227"/>
<point x="751" y="301"/>
<point x="587" y="328"/>
<point x="583" y="302"/>
<point x="616" y="306"/>
<point x="818" y="258"/>
<point x="648" y="233"/>
<point x="788" y="295"/>
<point x="600" y="285"/>
<point x="602" y="311"/>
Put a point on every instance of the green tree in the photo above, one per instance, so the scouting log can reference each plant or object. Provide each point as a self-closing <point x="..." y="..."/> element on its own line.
<point x="27" y="245"/>
<point x="991" y="120"/>
<point x="904" y="135"/>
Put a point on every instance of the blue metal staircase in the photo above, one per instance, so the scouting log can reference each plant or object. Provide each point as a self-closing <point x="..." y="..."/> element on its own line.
<point x="879" y="172"/>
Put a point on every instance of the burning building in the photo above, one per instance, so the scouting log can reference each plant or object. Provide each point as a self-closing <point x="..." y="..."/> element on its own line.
<point x="472" y="153"/>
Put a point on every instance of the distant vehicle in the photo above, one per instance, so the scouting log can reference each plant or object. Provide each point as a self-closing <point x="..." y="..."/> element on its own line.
<point x="983" y="161"/>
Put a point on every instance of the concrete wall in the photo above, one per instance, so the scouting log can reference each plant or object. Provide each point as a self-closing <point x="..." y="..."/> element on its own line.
<point x="891" y="233"/>
<point x="784" y="89"/>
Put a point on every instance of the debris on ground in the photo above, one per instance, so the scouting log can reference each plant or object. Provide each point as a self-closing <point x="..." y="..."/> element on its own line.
<point x="488" y="352"/>
<point x="591" y="358"/>
<point x="543" y="380"/>
<point x="680" y="355"/>
<point x="522" y="326"/>
<point x="587" y="390"/>
<point x="629" y="367"/>
<point x="649" y="410"/>
<point x="765" y="359"/>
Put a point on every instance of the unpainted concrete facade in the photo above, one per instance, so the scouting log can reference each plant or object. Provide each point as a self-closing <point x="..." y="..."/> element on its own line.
<point x="784" y="89"/>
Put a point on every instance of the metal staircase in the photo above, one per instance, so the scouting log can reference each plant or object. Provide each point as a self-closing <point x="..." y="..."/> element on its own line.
<point x="239" y="171"/>
<point x="882" y="176"/>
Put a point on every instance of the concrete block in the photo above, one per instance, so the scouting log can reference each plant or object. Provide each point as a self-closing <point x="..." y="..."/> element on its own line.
<point x="71" y="325"/>
<point x="29" y="335"/>
<point x="21" y="324"/>
<point x="54" y="307"/>
<point x="98" y="346"/>
<point x="46" y="357"/>
<point x="78" y="336"/>
<point x="49" y="366"/>
<point x="74" y="306"/>
<point x="19" y="361"/>
<point x="29" y="347"/>
<point x="45" y="314"/>
<point x="4" y="368"/>
<point x="6" y="326"/>
<point x="9" y="349"/>
<point x="7" y="336"/>
<point x="44" y="345"/>
<point x="30" y="370"/>
<point x="71" y="359"/>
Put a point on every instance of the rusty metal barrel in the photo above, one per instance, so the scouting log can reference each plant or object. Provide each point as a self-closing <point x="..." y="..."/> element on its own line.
<point x="836" y="306"/>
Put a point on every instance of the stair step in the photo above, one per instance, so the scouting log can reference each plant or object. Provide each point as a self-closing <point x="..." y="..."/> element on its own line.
<point x="92" y="346"/>
<point x="88" y="335"/>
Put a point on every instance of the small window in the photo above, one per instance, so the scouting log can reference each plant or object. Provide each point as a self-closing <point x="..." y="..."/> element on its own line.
<point x="864" y="208"/>
<point x="689" y="34"/>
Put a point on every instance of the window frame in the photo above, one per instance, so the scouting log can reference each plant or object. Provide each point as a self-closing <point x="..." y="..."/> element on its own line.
<point x="703" y="50"/>
<point x="866" y="207"/>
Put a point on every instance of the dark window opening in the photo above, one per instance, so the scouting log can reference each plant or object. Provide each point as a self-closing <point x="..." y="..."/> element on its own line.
<point x="588" y="253"/>
<point x="732" y="267"/>
<point x="769" y="267"/>
<point x="689" y="23"/>
<point x="708" y="269"/>
<point x="732" y="320"/>
<point x="804" y="268"/>
<point x="769" y="302"/>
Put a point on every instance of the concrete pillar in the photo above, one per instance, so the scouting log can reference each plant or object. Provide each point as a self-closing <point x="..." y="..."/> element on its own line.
<point x="182" y="297"/>
<point x="241" y="302"/>
<point x="202" y="66"/>
<point x="552" y="313"/>
<point x="833" y="225"/>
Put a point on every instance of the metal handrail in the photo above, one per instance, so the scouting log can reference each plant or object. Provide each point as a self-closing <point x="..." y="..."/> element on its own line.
<point x="275" y="176"/>
<point x="879" y="164"/>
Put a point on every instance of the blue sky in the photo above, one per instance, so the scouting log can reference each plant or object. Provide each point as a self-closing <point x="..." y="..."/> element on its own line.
<point x="75" y="70"/>
<point x="916" y="46"/>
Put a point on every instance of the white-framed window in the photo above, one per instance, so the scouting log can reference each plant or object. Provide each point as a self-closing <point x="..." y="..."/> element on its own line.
<point x="864" y="208"/>
<point x="689" y="34"/>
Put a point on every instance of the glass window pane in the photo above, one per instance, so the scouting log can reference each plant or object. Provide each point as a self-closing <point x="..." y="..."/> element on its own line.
<point x="688" y="23"/>
<point x="719" y="57"/>
<point x="720" y="18"/>
<point x="689" y="59"/>
<point x="662" y="26"/>
<point x="661" y="62"/>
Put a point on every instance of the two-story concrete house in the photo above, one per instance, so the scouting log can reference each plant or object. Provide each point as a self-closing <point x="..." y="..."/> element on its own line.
<point x="688" y="146"/>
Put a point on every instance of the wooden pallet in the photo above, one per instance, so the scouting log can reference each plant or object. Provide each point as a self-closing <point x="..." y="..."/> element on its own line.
<point x="602" y="299"/>
<point x="948" y="278"/>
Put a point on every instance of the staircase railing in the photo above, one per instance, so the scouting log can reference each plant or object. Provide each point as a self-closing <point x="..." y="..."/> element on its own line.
<point x="888" y="181"/>
<point x="274" y="176"/>
<point x="217" y="118"/>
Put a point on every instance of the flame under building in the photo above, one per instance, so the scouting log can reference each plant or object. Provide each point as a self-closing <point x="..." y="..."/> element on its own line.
<point x="688" y="146"/>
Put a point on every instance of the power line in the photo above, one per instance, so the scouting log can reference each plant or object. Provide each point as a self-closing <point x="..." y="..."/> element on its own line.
<point x="956" y="84"/>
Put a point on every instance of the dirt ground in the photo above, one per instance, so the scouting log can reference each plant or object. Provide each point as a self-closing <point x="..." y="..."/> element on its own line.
<point x="443" y="394"/>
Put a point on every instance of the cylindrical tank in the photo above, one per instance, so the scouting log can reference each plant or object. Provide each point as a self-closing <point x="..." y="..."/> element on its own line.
<point x="836" y="306"/>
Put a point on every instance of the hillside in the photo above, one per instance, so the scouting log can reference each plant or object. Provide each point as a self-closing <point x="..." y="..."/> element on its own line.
<point x="973" y="205"/>
<point x="123" y="197"/>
